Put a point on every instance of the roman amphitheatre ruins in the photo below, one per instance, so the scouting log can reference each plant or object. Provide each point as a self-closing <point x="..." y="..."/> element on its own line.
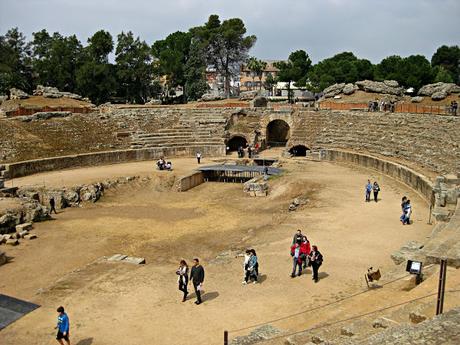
<point x="98" y="163"/>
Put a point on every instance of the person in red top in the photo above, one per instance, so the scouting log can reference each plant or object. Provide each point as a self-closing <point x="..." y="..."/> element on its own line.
<point x="305" y="250"/>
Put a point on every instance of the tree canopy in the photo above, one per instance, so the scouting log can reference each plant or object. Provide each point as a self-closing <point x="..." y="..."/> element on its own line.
<point x="181" y="59"/>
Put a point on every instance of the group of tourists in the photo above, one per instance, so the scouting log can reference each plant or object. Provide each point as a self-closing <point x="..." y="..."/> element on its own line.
<point x="372" y="188"/>
<point x="196" y="277"/>
<point x="162" y="164"/>
<point x="381" y="106"/>
<point x="252" y="151"/>
<point x="304" y="255"/>
<point x="406" y="209"/>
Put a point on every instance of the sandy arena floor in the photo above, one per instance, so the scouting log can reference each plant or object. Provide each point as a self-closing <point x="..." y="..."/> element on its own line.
<point x="122" y="304"/>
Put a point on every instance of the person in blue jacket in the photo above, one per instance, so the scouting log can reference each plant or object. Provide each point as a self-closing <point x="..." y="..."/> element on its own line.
<point x="63" y="327"/>
<point x="368" y="190"/>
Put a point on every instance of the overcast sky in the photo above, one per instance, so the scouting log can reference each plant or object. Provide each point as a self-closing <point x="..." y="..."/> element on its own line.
<point x="372" y="29"/>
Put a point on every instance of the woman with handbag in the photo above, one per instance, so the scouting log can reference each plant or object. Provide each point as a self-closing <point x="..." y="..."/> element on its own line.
<point x="316" y="260"/>
<point x="182" y="272"/>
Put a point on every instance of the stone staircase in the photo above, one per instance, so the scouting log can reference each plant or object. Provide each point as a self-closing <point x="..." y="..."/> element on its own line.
<point x="192" y="128"/>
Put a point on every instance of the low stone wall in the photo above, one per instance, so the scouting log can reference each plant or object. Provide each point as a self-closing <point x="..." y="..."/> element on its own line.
<point x="190" y="181"/>
<point x="25" y="168"/>
<point x="408" y="176"/>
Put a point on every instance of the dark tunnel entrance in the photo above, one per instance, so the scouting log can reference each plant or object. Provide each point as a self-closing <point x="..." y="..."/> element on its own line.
<point x="299" y="150"/>
<point x="235" y="142"/>
<point x="277" y="133"/>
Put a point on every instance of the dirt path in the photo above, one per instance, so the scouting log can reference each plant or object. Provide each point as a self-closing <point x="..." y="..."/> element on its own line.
<point x="141" y="305"/>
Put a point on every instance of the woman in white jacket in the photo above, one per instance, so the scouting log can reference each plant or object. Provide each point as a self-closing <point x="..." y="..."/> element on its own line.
<point x="182" y="272"/>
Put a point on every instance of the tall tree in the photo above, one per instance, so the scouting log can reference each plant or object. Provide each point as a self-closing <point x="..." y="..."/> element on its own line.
<point x="294" y="70"/>
<point x="195" y="71"/>
<point x="227" y="46"/>
<point x="344" y="67"/>
<point x="172" y="55"/>
<point x="412" y="71"/>
<point x="15" y="65"/>
<point x="95" y="77"/>
<point x="442" y="75"/>
<point x="257" y="68"/>
<point x="134" y="69"/>
<point x="56" y="59"/>
<point x="449" y="59"/>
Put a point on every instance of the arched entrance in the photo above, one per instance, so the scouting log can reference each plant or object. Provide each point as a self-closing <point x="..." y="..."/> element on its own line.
<point x="299" y="150"/>
<point x="236" y="141"/>
<point x="277" y="133"/>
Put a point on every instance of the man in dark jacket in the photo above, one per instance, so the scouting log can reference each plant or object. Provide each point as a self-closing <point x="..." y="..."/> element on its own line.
<point x="52" y="205"/>
<point x="197" y="278"/>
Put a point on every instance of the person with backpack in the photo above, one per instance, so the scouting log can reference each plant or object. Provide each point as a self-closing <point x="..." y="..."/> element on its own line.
<point x="316" y="260"/>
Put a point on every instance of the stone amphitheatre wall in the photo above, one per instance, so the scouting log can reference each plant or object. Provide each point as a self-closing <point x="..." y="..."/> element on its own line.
<point x="423" y="142"/>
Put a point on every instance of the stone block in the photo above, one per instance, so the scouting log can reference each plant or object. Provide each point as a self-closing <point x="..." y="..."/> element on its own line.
<point x="383" y="322"/>
<point x="23" y="233"/>
<point x="30" y="237"/>
<point x="416" y="317"/>
<point x="12" y="242"/>
<point x="134" y="260"/>
<point x="24" y="227"/>
<point x="117" y="257"/>
<point x="3" y="258"/>
<point x="348" y="331"/>
<point x="407" y="252"/>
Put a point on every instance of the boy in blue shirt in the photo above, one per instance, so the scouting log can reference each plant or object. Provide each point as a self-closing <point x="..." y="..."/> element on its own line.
<point x="63" y="327"/>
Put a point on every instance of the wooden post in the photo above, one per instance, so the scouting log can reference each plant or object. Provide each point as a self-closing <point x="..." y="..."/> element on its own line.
<point x="441" y="287"/>
<point x="225" y="337"/>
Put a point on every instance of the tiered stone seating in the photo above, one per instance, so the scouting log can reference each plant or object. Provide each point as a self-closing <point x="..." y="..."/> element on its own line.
<point x="193" y="127"/>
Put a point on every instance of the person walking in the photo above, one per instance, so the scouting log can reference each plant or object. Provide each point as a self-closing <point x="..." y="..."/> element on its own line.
<point x="198" y="157"/>
<point x="297" y="237"/>
<point x="368" y="190"/>
<point x="296" y="259"/>
<point x="247" y="256"/>
<point x="316" y="260"/>
<point x="53" y="205"/>
<point x="182" y="272"/>
<point x="403" y="209"/>
<point x="376" y="189"/>
<point x="197" y="278"/>
<point x="252" y="270"/>
<point x="407" y="213"/>
<point x="63" y="327"/>
<point x="305" y="250"/>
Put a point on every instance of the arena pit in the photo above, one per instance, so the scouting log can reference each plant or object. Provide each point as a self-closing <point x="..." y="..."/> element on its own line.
<point x="215" y="222"/>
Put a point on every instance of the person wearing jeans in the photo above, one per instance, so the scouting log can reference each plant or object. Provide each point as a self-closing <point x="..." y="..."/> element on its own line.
<point x="197" y="278"/>
<point x="296" y="259"/>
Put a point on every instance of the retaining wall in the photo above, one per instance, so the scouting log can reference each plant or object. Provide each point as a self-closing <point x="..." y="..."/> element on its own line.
<point x="188" y="182"/>
<point x="30" y="167"/>
<point x="399" y="172"/>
